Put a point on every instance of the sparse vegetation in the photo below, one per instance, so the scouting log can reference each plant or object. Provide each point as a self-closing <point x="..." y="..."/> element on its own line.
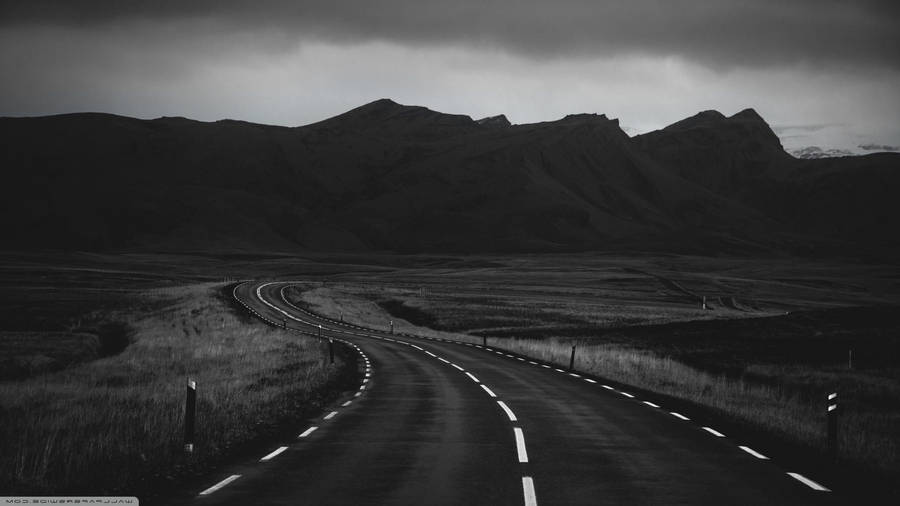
<point x="116" y="424"/>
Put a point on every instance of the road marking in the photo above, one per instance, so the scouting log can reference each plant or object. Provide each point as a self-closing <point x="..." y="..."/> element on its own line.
<point x="357" y="394"/>
<point x="559" y="370"/>
<point x="307" y="432"/>
<point x="273" y="454"/>
<point x="221" y="484"/>
<point x="528" y="490"/>
<point x="509" y="413"/>
<point x="574" y="375"/>
<point x="589" y="380"/>
<point x="532" y="362"/>
<point x="607" y="387"/>
<point x="545" y="366"/>
<point x="679" y="415"/>
<point x="473" y="378"/>
<point x="714" y="432"/>
<point x="809" y="483"/>
<point x="329" y="416"/>
<point x="365" y="380"/>
<point x="650" y="404"/>
<point x="417" y="347"/>
<point x="488" y="390"/>
<point x="429" y="353"/>
<point x="626" y="394"/>
<point x="520" y="445"/>
<point x="344" y="405"/>
<point x="458" y="367"/>
<point x="444" y="360"/>
<point x="362" y="387"/>
<point x="753" y="452"/>
<point x="520" y="358"/>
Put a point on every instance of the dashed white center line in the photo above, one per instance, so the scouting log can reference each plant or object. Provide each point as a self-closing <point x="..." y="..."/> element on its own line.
<point x="679" y="416"/>
<point x="753" y="452"/>
<point x="626" y="394"/>
<point x="559" y="370"/>
<point x="458" y="367"/>
<point x="712" y="431"/>
<point x="809" y="483"/>
<point x="589" y="380"/>
<point x="362" y="387"/>
<point x="532" y="362"/>
<point x="520" y="445"/>
<point x="473" y="378"/>
<point x="528" y="491"/>
<point x="545" y="366"/>
<point x="520" y="359"/>
<point x="444" y="360"/>
<point x="607" y="387"/>
<point x="488" y="390"/>
<point x="329" y="416"/>
<point x="509" y="413"/>
<point x="572" y="374"/>
<point x="307" y="432"/>
<point x="650" y="404"/>
<point x="357" y="394"/>
<point x="221" y="484"/>
<point x="344" y="405"/>
<point x="273" y="454"/>
<point x="429" y="353"/>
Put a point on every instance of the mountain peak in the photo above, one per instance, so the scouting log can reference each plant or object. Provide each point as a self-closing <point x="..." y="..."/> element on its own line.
<point x="494" y="121"/>
<point x="701" y="119"/>
<point x="748" y="114"/>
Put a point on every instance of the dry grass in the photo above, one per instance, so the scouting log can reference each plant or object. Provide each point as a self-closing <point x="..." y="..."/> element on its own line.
<point x="116" y="423"/>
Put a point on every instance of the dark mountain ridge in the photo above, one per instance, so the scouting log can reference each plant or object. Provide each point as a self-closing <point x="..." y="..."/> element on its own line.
<point x="386" y="176"/>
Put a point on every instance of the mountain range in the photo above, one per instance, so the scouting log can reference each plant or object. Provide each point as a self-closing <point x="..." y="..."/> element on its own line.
<point x="391" y="177"/>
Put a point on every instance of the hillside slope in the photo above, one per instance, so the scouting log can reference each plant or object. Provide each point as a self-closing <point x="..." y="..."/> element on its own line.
<point x="386" y="176"/>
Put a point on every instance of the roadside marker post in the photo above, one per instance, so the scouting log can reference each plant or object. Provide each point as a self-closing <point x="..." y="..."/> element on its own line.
<point x="572" y="360"/>
<point x="331" y="348"/>
<point x="284" y="323"/>
<point x="484" y="341"/>
<point x="392" y="326"/>
<point x="850" y="359"/>
<point x="190" y="409"/>
<point x="832" y="415"/>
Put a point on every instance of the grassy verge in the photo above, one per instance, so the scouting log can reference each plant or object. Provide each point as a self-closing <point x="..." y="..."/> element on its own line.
<point x="116" y="424"/>
<point x="778" y="386"/>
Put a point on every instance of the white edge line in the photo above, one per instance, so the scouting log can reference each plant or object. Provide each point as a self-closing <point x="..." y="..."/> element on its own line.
<point x="221" y="484"/>
<point x="273" y="454"/>
<point x="528" y="491"/>
<point x="307" y="432"/>
<point x="809" y="483"/>
<point x="712" y="431"/>
<point x="488" y="390"/>
<point x="520" y="445"/>
<point x="753" y="452"/>
<point x="509" y="413"/>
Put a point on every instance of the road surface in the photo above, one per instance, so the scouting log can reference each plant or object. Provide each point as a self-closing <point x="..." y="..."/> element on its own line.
<point x="442" y="423"/>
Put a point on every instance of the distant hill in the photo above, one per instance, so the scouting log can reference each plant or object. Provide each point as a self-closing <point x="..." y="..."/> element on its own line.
<point x="386" y="176"/>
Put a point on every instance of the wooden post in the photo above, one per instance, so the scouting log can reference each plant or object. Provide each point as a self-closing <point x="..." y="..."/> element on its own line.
<point x="190" y="408"/>
<point x="572" y="360"/>
<point x="832" y="415"/>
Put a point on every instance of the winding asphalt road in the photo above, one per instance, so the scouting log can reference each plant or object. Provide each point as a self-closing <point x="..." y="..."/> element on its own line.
<point x="436" y="422"/>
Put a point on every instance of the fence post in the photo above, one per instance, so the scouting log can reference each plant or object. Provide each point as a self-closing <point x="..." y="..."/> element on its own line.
<point x="832" y="415"/>
<point x="572" y="360"/>
<point x="190" y="409"/>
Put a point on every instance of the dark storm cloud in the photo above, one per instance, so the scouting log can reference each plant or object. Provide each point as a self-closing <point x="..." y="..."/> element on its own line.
<point x="721" y="33"/>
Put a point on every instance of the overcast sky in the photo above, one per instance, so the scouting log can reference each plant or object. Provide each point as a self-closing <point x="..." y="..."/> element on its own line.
<point x="823" y="72"/>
